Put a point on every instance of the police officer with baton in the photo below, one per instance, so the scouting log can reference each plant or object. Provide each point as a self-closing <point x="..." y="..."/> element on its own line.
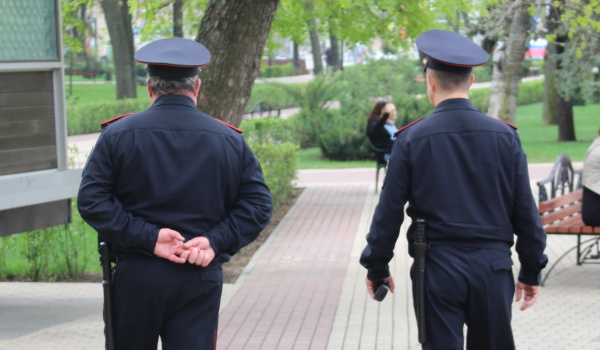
<point x="465" y="174"/>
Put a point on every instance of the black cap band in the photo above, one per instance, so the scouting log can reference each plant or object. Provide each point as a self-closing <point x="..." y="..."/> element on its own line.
<point x="435" y="65"/>
<point x="171" y="71"/>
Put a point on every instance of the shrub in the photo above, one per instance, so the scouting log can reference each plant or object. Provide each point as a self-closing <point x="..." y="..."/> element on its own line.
<point x="268" y="130"/>
<point x="85" y="118"/>
<point x="313" y="100"/>
<point x="483" y="73"/>
<point x="343" y="136"/>
<point x="529" y="92"/>
<point x="273" y="94"/>
<point x="273" y="143"/>
<point x="278" y="162"/>
<point x="284" y="70"/>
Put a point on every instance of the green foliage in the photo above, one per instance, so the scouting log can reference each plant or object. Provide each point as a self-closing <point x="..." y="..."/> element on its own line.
<point x="483" y="73"/>
<point x="275" y="146"/>
<point x="85" y="118"/>
<point x="359" y="21"/>
<point x="268" y="130"/>
<point x="391" y="80"/>
<point x="278" y="162"/>
<point x="343" y="136"/>
<point x="157" y="17"/>
<point x="274" y="95"/>
<point x="529" y="92"/>
<point x="54" y="253"/>
<point x="313" y="100"/>
<point x="4" y="247"/>
<point x="284" y="70"/>
<point x="73" y="23"/>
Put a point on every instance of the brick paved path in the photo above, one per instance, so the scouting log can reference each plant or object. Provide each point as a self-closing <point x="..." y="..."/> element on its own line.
<point x="290" y="296"/>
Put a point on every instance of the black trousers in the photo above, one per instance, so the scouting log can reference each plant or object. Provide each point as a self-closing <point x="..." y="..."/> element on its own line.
<point x="469" y="286"/>
<point x="590" y="207"/>
<point x="154" y="297"/>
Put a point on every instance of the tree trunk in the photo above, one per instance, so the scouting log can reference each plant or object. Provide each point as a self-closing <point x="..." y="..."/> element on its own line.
<point x="335" y="51"/>
<point x="178" y="18"/>
<point x="118" y="21"/>
<point x="550" y="110"/>
<point x="566" y="126"/>
<point x="235" y="32"/>
<point x="316" y="46"/>
<point x="550" y="107"/>
<point x="497" y="82"/>
<point x="296" y="59"/>
<point x="513" y="62"/>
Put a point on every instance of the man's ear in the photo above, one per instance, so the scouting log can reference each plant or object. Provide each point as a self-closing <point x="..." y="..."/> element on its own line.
<point x="197" y="87"/>
<point x="431" y="82"/>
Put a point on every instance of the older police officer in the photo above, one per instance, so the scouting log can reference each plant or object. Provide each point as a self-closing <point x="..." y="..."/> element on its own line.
<point x="176" y="193"/>
<point x="465" y="174"/>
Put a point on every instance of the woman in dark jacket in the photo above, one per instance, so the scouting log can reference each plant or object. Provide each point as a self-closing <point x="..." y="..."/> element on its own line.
<point x="380" y="127"/>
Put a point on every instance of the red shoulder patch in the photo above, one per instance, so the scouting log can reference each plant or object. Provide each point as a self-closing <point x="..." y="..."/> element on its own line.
<point x="106" y="123"/>
<point x="507" y="123"/>
<point x="231" y="126"/>
<point x="406" y="126"/>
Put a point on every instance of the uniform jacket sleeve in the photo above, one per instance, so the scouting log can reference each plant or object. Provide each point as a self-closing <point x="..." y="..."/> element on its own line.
<point x="250" y="212"/>
<point x="531" y="237"/>
<point x="103" y="211"/>
<point x="388" y="217"/>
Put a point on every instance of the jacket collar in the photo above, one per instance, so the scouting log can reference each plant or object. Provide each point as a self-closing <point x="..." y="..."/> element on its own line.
<point x="455" y="104"/>
<point x="171" y="99"/>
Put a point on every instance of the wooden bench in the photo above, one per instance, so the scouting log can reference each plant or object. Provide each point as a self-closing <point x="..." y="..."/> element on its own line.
<point x="562" y="215"/>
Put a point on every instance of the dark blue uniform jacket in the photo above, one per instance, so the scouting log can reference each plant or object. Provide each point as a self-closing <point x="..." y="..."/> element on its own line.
<point x="466" y="174"/>
<point x="175" y="167"/>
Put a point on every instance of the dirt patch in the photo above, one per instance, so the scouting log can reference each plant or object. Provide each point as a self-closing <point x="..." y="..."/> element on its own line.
<point x="233" y="269"/>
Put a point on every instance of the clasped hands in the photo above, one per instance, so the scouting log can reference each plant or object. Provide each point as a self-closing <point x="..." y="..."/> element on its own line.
<point x="171" y="246"/>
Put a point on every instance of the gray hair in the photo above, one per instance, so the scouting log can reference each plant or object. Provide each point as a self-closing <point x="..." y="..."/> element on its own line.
<point x="163" y="85"/>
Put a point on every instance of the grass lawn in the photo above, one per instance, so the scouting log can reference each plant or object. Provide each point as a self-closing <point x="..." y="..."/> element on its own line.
<point x="539" y="141"/>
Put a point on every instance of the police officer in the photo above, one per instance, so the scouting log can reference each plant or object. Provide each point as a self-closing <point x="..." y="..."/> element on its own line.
<point x="466" y="175"/>
<point x="176" y="193"/>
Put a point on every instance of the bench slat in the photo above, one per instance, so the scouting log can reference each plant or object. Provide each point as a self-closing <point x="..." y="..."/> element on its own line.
<point x="560" y="214"/>
<point x="558" y="202"/>
<point x="572" y="224"/>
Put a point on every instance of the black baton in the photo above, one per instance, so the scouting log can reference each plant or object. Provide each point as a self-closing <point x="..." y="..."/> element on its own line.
<point x="420" y="248"/>
<point x="104" y="251"/>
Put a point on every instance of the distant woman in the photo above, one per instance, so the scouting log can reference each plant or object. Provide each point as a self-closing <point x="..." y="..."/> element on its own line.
<point x="381" y="127"/>
<point x="590" y="206"/>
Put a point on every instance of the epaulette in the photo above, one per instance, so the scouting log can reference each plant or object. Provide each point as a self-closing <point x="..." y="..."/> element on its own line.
<point x="106" y="123"/>
<point x="231" y="126"/>
<point x="406" y="126"/>
<point x="507" y="123"/>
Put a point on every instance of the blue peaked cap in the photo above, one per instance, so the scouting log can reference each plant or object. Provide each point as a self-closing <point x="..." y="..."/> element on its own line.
<point x="173" y="57"/>
<point x="450" y="52"/>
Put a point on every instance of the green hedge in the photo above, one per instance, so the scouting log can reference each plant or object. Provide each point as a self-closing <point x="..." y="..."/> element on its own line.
<point x="278" y="162"/>
<point x="284" y="70"/>
<point x="529" y="92"/>
<point x="275" y="146"/>
<point x="85" y="118"/>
